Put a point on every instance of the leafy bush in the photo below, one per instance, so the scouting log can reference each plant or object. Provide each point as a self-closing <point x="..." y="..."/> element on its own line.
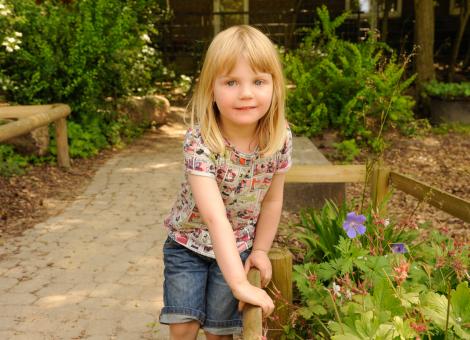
<point x="86" y="54"/>
<point x="347" y="149"/>
<point x="366" y="278"/>
<point x="448" y="90"/>
<point x="352" y="87"/>
<point x="10" y="162"/>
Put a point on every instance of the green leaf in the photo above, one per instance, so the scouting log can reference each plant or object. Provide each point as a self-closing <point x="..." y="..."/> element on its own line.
<point x="409" y="298"/>
<point x="460" y="302"/>
<point x="385" y="300"/>
<point x="403" y="328"/>
<point x="434" y="307"/>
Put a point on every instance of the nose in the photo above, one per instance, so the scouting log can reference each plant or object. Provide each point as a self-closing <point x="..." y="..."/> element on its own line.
<point x="246" y="91"/>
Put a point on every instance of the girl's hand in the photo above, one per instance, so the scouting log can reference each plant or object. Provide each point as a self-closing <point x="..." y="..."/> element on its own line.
<point x="259" y="259"/>
<point x="247" y="293"/>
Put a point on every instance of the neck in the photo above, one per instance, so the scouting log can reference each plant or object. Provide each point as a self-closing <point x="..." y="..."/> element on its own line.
<point x="243" y="138"/>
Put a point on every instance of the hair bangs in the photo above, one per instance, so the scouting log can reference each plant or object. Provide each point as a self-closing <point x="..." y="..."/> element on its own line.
<point x="224" y="52"/>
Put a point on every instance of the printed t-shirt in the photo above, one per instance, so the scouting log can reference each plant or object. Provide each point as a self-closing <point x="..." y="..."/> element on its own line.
<point x="243" y="180"/>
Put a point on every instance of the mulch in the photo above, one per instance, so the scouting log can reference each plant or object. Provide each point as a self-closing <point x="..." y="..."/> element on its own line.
<point x="43" y="191"/>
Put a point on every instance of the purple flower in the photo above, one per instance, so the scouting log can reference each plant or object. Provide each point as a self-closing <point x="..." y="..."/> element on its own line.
<point x="399" y="248"/>
<point x="354" y="224"/>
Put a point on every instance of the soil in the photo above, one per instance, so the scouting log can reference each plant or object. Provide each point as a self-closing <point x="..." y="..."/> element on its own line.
<point x="440" y="160"/>
<point x="44" y="191"/>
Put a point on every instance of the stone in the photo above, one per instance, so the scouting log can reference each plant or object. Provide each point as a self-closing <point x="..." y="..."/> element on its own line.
<point x="151" y="109"/>
<point x="310" y="195"/>
<point x="35" y="142"/>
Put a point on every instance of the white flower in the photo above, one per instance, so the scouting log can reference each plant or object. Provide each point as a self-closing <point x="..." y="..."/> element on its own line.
<point x="145" y="38"/>
<point x="18" y="34"/>
<point x="9" y="49"/>
<point x="2" y="6"/>
<point x="336" y="289"/>
<point x="148" y="50"/>
<point x="10" y="39"/>
<point x="348" y="294"/>
<point x="5" y="12"/>
<point x="386" y="222"/>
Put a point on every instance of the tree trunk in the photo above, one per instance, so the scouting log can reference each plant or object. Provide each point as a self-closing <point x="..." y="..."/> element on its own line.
<point x="464" y="15"/>
<point x="373" y="15"/>
<point x="293" y="25"/>
<point x="424" y="39"/>
<point x="387" y="6"/>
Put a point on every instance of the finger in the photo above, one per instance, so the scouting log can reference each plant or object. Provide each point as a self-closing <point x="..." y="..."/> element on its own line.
<point x="266" y="279"/>
<point x="267" y="311"/>
<point x="247" y="265"/>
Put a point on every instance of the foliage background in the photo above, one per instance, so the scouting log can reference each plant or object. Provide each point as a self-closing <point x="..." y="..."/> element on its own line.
<point x="86" y="54"/>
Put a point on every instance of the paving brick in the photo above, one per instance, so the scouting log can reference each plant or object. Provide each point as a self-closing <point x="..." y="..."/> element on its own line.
<point x="95" y="269"/>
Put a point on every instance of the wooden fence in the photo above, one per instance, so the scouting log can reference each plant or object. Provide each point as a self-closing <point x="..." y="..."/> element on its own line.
<point x="23" y="119"/>
<point x="379" y="178"/>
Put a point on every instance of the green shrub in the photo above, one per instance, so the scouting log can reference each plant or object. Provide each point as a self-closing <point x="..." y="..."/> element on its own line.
<point x="352" y="87"/>
<point x="86" y="54"/>
<point x="448" y="90"/>
<point x="11" y="163"/>
<point x="347" y="149"/>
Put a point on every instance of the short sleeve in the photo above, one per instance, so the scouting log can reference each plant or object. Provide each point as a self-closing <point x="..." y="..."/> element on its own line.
<point x="284" y="156"/>
<point x="198" y="158"/>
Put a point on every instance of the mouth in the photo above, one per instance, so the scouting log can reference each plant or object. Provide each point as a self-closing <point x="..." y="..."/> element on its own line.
<point x="245" y="108"/>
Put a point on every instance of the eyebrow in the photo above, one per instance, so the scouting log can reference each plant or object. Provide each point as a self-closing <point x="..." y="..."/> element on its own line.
<point x="257" y="75"/>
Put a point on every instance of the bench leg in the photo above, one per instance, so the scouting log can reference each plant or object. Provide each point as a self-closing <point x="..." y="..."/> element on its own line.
<point x="63" y="158"/>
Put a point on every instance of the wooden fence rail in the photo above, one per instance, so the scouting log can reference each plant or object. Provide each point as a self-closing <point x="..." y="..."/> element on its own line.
<point x="380" y="179"/>
<point x="30" y="117"/>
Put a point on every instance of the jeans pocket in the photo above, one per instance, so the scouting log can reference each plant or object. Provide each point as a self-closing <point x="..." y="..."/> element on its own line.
<point x="171" y="244"/>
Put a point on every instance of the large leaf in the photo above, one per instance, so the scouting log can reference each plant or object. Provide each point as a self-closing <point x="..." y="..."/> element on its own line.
<point x="460" y="302"/>
<point x="434" y="307"/>
<point x="385" y="299"/>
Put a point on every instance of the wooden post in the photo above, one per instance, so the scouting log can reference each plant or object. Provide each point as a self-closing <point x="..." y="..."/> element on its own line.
<point x="62" y="143"/>
<point x="29" y="117"/>
<point x="379" y="186"/>
<point x="253" y="315"/>
<point x="280" y="289"/>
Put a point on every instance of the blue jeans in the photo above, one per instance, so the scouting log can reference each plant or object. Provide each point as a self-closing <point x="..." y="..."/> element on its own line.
<point x="194" y="289"/>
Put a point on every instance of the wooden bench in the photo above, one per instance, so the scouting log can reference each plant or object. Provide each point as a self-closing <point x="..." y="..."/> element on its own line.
<point x="30" y="117"/>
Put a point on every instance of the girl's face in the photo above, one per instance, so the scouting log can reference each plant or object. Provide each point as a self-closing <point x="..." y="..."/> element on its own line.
<point x="243" y="96"/>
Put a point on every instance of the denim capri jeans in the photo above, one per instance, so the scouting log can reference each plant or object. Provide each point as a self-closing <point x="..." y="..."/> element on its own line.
<point x="194" y="289"/>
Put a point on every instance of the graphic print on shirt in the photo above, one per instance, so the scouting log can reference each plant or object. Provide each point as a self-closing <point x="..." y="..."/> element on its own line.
<point x="243" y="180"/>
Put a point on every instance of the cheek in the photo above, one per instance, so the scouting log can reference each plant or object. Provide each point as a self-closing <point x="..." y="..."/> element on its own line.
<point x="221" y="97"/>
<point x="267" y="97"/>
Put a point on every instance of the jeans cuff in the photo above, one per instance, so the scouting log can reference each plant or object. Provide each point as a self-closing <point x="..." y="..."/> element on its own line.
<point x="171" y="315"/>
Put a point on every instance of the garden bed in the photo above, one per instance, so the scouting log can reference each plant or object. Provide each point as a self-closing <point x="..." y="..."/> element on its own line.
<point x="441" y="160"/>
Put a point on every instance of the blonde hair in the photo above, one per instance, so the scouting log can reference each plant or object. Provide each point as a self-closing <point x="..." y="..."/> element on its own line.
<point x="221" y="57"/>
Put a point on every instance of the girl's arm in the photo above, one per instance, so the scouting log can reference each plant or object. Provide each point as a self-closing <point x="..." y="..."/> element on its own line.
<point x="266" y="229"/>
<point x="209" y="202"/>
<point x="270" y="214"/>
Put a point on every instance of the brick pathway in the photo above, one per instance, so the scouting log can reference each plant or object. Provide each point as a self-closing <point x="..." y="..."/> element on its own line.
<point x="95" y="270"/>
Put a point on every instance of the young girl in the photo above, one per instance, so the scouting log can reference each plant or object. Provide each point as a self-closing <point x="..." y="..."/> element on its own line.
<point x="228" y="210"/>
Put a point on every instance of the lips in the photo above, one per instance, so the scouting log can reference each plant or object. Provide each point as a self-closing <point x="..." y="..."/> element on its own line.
<point x="245" y="108"/>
